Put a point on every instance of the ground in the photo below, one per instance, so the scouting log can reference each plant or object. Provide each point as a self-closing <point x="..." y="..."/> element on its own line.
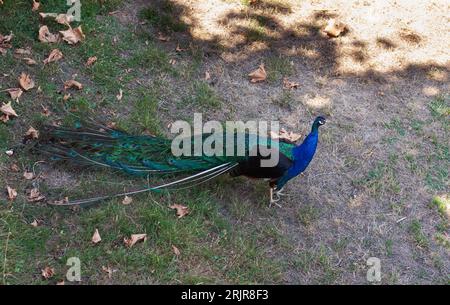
<point x="378" y="186"/>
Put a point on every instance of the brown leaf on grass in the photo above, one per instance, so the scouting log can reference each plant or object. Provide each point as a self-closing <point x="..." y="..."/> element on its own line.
<point x="96" y="237"/>
<point x="66" y="97"/>
<point x="29" y="61"/>
<point x="173" y="61"/>
<point x="46" y="36"/>
<point x="55" y="55"/>
<point x="176" y="251"/>
<point x="4" y="43"/>
<point x="4" y="118"/>
<point x="64" y="19"/>
<point x="34" y="223"/>
<point x="258" y="75"/>
<point x="47" y="272"/>
<point x="119" y="95"/>
<point x="34" y="195"/>
<point x="62" y="201"/>
<point x="108" y="270"/>
<point x="72" y="84"/>
<point x="28" y="175"/>
<point x="127" y="200"/>
<point x="14" y="93"/>
<point x="60" y="283"/>
<point x="36" y="6"/>
<point x="32" y="133"/>
<point x="162" y="37"/>
<point x="334" y="28"/>
<point x="45" y="111"/>
<point x="1" y="1"/>
<point x="207" y="76"/>
<point x="21" y="51"/>
<point x="91" y="61"/>
<point x="47" y="15"/>
<point x="129" y="242"/>
<point x="286" y="136"/>
<point x="73" y="36"/>
<point x="12" y="193"/>
<point x="26" y="82"/>
<point x="181" y="210"/>
<point x="7" y="110"/>
<point x="14" y="167"/>
<point x="289" y="85"/>
<point x="179" y="49"/>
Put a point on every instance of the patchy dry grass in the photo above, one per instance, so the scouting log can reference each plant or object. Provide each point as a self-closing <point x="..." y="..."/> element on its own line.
<point x="383" y="156"/>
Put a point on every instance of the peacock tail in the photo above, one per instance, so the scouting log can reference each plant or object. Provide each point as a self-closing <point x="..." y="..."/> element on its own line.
<point x="145" y="156"/>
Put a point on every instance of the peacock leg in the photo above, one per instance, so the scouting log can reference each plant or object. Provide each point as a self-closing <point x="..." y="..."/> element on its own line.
<point x="272" y="200"/>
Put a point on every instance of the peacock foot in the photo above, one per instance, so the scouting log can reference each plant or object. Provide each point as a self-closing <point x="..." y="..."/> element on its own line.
<point x="275" y="200"/>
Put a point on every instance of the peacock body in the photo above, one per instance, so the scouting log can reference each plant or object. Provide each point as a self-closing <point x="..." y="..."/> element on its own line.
<point x="150" y="155"/>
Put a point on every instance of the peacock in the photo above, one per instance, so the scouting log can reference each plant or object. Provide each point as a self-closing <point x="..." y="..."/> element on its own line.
<point x="150" y="156"/>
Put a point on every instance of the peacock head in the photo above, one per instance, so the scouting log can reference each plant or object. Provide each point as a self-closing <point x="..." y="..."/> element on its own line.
<point x="319" y="121"/>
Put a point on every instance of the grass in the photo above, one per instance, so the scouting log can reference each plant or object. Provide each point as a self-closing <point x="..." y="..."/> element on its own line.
<point x="211" y="251"/>
<point x="278" y="67"/>
<point x="420" y="239"/>
<point x="161" y="15"/>
<point x="307" y="215"/>
<point x="230" y="236"/>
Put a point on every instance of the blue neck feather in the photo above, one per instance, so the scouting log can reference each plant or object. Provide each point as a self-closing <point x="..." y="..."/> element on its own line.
<point x="303" y="154"/>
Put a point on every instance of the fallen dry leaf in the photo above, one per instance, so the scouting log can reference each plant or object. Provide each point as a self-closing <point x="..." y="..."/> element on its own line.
<point x="162" y="37"/>
<point x="4" y="43"/>
<point x="207" y="76"/>
<point x="28" y="175"/>
<point x="55" y="55"/>
<point x="129" y="242"/>
<point x="91" y="61"/>
<point x="127" y="200"/>
<point x="36" y="6"/>
<point x="12" y="193"/>
<point x="289" y="85"/>
<point x="176" y="250"/>
<point x="66" y="97"/>
<point x="286" y="136"/>
<point x="35" y="195"/>
<point x="62" y="201"/>
<point x="26" y="82"/>
<point x="181" y="210"/>
<point x="14" y="93"/>
<point x="46" y="36"/>
<point x="14" y="167"/>
<point x="34" y="223"/>
<point x="4" y="118"/>
<point x="32" y="133"/>
<point x="46" y="15"/>
<point x="47" y="272"/>
<point x="72" y="84"/>
<point x="64" y="19"/>
<point x="108" y="270"/>
<point x="172" y="61"/>
<point x="119" y="95"/>
<point x="96" y="237"/>
<point x="9" y="152"/>
<point x="178" y="49"/>
<point x="29" y="61"/>
<point x="258" y="75"/>
<point x="334" y="28"/>
<point x="45" y="111"/>
<point x="60" y="283"/>
<point x="22" y="51"/>
<point x="73" y="36"/>
<point x="7" y="109"/>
